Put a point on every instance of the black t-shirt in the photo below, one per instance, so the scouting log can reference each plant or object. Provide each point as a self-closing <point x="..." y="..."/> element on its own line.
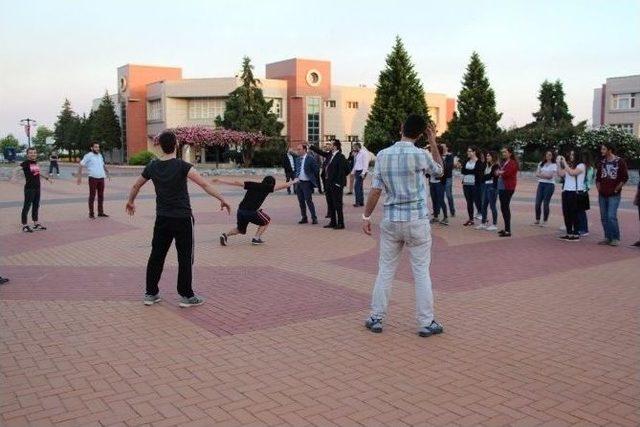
<point x="170" y="181"/>
<point x="31" y="174"/>
<point x="257" y="192"/>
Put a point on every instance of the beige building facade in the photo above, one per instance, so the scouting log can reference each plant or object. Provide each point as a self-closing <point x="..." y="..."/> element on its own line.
<point x="617" y="103"/>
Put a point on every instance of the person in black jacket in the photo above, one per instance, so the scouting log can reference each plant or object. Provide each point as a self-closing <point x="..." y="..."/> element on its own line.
<point x="472" y="172"/>
<point x="489" y="191"/>
<point x="288" y="165"/>
<point x="447" y="177"/>
<point x="335" y="180"/>
<point x="326" y="155"/>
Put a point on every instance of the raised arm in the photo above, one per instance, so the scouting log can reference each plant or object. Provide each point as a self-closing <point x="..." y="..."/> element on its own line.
<point x="208" y="187"/>
<point x="131" y="207"/>
<point x="285" y="185"/>
<point x="319" y="152"/>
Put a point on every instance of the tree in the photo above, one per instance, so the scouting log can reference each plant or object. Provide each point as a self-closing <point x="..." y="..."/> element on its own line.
<point x="105" y="127"/>
<point x="9" y="141"/>
<point x="476" y="122"/>
<point x="554" y="111"/>
<point x="247" y="111"/>
<point x="40" y="139"/>
<point x="627" y="145"/>
<point x="66" y="128"/>
<point x="399" y="93"/>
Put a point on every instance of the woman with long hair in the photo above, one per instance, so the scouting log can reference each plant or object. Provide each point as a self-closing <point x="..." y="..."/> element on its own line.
<point x="471" y="173"/>
<point x="589" y="181"/>
<point x="546" y="173"/>
<point x="489" y="191"/>
<point x="573" y="170"/>
<point x="507" y="181"/>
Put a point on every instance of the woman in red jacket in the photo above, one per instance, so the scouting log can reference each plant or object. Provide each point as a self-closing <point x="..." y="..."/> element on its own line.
<point x="507" y="179"/>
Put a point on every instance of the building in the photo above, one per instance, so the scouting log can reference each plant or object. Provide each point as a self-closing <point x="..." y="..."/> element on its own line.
<point x="154" y="98"/>
<point x="617" y="103"/>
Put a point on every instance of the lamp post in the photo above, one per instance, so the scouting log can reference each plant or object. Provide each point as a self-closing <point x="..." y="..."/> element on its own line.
<point x="27" y="123"/>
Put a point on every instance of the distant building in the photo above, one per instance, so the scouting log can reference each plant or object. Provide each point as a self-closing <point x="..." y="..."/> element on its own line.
<point x="617" y="103"/>
<point x="153" y="98"/>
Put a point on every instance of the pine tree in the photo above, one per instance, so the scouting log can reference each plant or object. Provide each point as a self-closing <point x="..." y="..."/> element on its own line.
<point x="66" y="128"/>
<point x="247" y="110"/>
<point x="40" y="139"/>
<point x="399" y="93"/>
<point x="476" y="122"/>
<point x="554" y="111"/>
<point x="104" y="124"/>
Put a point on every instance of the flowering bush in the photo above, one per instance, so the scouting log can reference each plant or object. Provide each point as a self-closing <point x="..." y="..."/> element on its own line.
<point x="628" y="146"/>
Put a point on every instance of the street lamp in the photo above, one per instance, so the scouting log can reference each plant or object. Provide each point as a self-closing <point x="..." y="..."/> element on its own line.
<point x="27" y="123"/>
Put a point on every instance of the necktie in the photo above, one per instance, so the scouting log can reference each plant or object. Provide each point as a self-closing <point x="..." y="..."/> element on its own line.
<point x="297" y="163"/>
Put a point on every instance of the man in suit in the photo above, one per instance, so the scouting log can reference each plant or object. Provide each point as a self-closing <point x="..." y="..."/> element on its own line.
<point x="288" y="165"/>
<point x="306" y="170"/>
<point x="336" y="179"/>
<point x="325" y="154"/>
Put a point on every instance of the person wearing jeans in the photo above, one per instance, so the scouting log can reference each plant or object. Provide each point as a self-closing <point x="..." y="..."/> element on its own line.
<point x="360" y="170"/>
<point x="611" y="176"/>
<point x="447" y="178"/>
<point x="489" y="192"/>
<point x="471" y="175"/>
<point x="32" y="175"/>
<point x="546" y="173"/>
<point x="97" y="171"/>
<point x="400" y="171"/>
<point x="507" y="181"/>
<point x="589" y="179"/>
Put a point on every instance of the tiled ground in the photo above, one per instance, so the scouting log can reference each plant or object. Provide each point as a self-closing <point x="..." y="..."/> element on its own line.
<point x="538" y="332"/>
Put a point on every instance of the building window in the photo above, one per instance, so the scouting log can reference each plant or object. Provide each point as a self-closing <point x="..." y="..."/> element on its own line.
<point x="206" y="108"/>
<point x="624" y="101"/>
<point x="627" y="127"/>
<point x="330" y="103"/>
<point x="329" y="138"/>
<point x="352" y="138"/>
<point x="313" y="120"/>
<point x="154" y="110"/>
<point x="352" y="104"/>
<point x="276" y="106"/>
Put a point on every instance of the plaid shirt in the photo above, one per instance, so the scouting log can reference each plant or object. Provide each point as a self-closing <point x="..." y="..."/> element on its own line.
<point x="400" y="170"/>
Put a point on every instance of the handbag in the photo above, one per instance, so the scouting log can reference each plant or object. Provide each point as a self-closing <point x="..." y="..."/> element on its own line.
<point x="583" y="198"/>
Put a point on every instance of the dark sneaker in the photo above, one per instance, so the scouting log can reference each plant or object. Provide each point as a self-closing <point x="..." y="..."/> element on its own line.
<point x="573" y="239"/>
<point x="27" y="229"/>
<point x="188" y="302"/>
<point x="637" y="244"/>
<point x="374" y="325"/>
<point x="604" y="242"/>
<point x="503" y="233"/>
<point x="433" y="329"/>
<point x="468" y="223"/>
<point x="255" y="241"/>
<point x="303" y="221"/>
<point x="339" y="227"/>
<point x="614" y="242"/>
<point x="3" y="280"/>
<point x="223" y="239"/>
<point x="444" y="221"/>
<point x="329" y="226"/>
<point x="103" y="215"/>
<point x="39" y="227"/>
<point x="566" y="237"/>
<point x="314" y="221"/>
<point x="92" y="216"/>
<point x="151" y="299"/>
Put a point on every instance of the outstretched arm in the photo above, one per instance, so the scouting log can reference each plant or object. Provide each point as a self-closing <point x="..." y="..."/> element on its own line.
<point x="285" y="185"/>
<point x="224" y="181"/>
<point x="14" y="175"/>
<point x="131" y="207"/>
<point x="318" y="151"/>
<point x="194" y="176"/>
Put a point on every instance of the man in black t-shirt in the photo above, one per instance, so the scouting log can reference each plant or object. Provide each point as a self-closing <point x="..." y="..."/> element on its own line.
<point x="249" y="208"/>
<point x="173" y="218"/>
<point x="32" y="175"/>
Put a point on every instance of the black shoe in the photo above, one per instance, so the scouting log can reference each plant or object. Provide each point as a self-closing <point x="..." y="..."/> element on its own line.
<point x="503" y="233"/>
<point x="327" y="216"/>
<point x="433" y="329"/>
<point x="3" y="280"/>
<point x="357" y="205"/>
<point x="255" y="241"/>
<point x="314" y="221"/>
<point x="103" y="215"/>
<point x="27" y="229"/>
<point x="637" y="244"/>
<point x="303" y="221"/>
<point x="223" y="239"/>
<point x="349" y="193"/>
<point x="39" y="227"/>
<point x="92" y="216"/>
<point x="566" y="237"/>
<point x="374" y="325"/>
<point x="339" y="227"/>
<point x="329" y="226"/>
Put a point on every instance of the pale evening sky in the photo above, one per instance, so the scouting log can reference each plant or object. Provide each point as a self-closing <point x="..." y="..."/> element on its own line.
<point x="50" y="50"/>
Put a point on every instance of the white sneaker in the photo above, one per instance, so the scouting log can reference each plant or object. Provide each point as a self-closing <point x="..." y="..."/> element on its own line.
<point x="543" y="224"/>
<point x="562" y="228"/>
<point x="481" y="227"/>
<point x="491" y="228"/>
<point x="478" y="216"/>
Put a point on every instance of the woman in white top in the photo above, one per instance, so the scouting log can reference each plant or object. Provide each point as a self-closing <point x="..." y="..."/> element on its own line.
<point x="573" y="170"/>
<point x="546" y="172"/>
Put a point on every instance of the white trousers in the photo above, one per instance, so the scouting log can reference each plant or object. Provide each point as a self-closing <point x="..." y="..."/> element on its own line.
<point x="416" y="236"/>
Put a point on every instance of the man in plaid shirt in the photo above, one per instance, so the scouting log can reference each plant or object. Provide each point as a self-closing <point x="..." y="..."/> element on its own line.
<point x="400" y="170"/>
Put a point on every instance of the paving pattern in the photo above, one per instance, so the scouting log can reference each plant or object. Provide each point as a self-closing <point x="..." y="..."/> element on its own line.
<point x="537" y="331"/>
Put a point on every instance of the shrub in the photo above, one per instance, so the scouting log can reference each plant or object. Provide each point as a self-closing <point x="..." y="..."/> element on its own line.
<point x="142" y="158"/>
<point x="270" y="155"/>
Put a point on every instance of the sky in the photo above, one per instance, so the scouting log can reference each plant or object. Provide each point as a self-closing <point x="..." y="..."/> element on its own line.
<point x="57" y="49"/>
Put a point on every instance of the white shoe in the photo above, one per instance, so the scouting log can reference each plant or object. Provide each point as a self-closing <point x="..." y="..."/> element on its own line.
<point x="543" y="224"/>
<point x="535" y="224"/>
<point x="491" y="228"/>
<point x="562" y="228"/>
<point x="481" y="227"/>
<point x="478" y="216"/>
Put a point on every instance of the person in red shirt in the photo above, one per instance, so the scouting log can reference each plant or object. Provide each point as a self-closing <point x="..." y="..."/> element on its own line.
<point x="611" y="176"/>
<point x="507" y="180"/>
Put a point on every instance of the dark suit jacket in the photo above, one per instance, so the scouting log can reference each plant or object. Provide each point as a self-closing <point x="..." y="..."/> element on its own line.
<point x="288" y="170"/>
<point x="325" y="159"/>
<point x="336" y="173"/>
<point x="311" y="168"/>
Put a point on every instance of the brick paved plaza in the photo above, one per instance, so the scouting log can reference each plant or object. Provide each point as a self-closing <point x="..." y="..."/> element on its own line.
<point x="537" y="331"/>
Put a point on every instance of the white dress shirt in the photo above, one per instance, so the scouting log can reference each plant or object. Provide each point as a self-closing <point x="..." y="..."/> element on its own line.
<point x="303" y="176"/>
<point x="362" y="161"/>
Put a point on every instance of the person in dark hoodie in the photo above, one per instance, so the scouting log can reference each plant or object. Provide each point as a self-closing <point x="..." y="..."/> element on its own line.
<point x="472" y="172"/>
